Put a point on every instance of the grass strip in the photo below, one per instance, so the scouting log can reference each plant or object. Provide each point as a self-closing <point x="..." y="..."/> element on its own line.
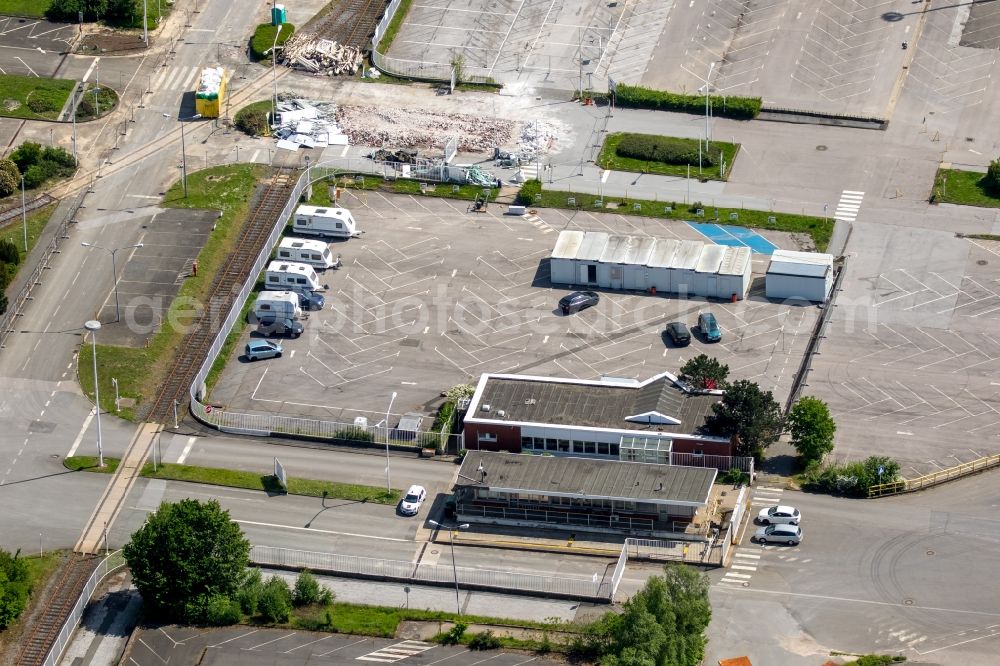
<point x="818" y="228"/>
<point x="446" y="190"/>
<point x="394" y="26"/>
<point x="232" y="478"/>
<point x="965" y="188"/>
<point x="34" y="8"/>
<point x="609" y="158"/>
<point x="140" y="371"/>
<point x="33" y="98"/>
<point x="36" y="221"/>
<point x="265" y="36"/>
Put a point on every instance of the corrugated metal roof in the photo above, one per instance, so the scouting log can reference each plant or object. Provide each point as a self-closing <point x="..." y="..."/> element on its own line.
<point x="711" y="258"/>
<point x="663" y="253"/>
<point x="616" y="250"/>
<point x="587" y="478"/>
<point x="688" y="255"/>
<point x="735" y="261"/>
<point x="804" y="264"/>
<point x="568" y="244"/>
<point x="640" y="251"/>
<point x="592" y="246"/>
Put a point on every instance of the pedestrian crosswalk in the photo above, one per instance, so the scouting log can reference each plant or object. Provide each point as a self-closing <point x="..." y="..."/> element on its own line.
<point x="747" y="560"/>
<point x="175" y="78"/>
<point x="849" y="205"/>
<point x="396" y="652"/>
<point x="539" y="224"/>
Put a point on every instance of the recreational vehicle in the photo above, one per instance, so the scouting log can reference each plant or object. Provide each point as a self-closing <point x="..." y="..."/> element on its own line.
<point x="291" y="275"/>
<point x="313" y="252"/>
<point x="277" y="304"/>
<point x="325" y="221"/>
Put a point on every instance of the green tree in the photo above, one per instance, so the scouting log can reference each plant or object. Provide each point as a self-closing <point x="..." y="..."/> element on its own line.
<point x="10" y="178"/>
<point x="14" y="587"/>
<point x="9" y="252"/>
<point x="26" y="155"/>
<point x="705" y="372"/>
<point x="749" y="413"/>
<point x="812" y="428"/>
<point x="276" y="600"/>
<point x="67" y="9"/>
<point x="184" y="555"/>
<point x="307" y="590"/>
<point x="662" y="625"/>
<point x="992" y="178"/>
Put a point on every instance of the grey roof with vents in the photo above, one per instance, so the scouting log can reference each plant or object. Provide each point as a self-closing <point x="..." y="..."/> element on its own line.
<point x="592" y="405"/>
<point x="587" y="478"/>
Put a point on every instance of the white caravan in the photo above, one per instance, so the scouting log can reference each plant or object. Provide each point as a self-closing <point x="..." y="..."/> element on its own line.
<point x="303" y="250"/>
<point x="290" y="275"/>
<point x="278" y="304"/>
<point x="324" y="221"/>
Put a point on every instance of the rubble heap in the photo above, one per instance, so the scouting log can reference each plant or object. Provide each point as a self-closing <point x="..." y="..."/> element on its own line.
<point x="417" y="128"/>
<point x="322" y="57"/>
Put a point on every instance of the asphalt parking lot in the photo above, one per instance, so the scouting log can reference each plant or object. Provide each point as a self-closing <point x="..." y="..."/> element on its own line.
<point x="32" y="47"/>
<point x="540" y="42"/>
<point x="432" y="296"/>
<point x="910" y="361"/>
<point x="149" y="277"/>
<point x="246" y="646"/>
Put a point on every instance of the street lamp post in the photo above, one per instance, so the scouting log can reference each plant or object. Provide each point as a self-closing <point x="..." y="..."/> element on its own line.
<point x="94" y="326"/>
<point x="388" y="487"/>
<point x="454" y="567"/>
<point x="145" y="24"/>
<point x="184" y="164"/>
<point x="274" y="72"/>
<point x="707" y="86"/>
<point x="114" y="270"/>
<point x="24" y="218"/>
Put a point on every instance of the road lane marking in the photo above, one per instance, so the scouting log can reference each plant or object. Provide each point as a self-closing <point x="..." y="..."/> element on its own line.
<point x="91" y="69"/>
<point x="79" y="438"/>
<point x="186" y="451"/>
<point x="313" y="529"/>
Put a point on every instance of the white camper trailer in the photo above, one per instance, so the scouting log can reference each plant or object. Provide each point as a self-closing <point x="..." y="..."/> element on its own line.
<point x="291" y="276"/>
<point x="324" y="221"/>
<point x="277" y="304"/>
<point x="313" y="252"/>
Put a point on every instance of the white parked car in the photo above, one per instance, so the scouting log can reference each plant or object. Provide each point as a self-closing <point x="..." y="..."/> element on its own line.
<point x="790" y="534"/>
<point x="410" y="504"/>
<point x="779" y="515"/>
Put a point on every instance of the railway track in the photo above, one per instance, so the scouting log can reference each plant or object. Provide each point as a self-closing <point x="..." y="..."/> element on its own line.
<point x="271" y="198"/>
<point x="45" y="627"/>
<point x="349" y="22"/>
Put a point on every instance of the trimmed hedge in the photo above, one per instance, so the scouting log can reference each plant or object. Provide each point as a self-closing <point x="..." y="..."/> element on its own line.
<point x="263" y="38"/>
<point x="667" y="149"/>
<point x="637" y="97"/>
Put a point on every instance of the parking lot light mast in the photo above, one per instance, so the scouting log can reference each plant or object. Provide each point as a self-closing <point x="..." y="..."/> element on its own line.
<point x="388" y="487"/>
<point x="94" y="326"/>
<point x="24" y="219"/>
<point x="114" y="270"/>
<point x="274" y="72"/>
<point x="454" y="567"/>
<point x="184" y="164"/>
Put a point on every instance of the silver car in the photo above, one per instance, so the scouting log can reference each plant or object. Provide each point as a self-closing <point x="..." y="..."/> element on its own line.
<point x="790" y="534"/>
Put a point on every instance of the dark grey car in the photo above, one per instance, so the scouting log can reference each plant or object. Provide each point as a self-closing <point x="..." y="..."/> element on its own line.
<point x="678" y="334"/>
<point x="578" y="300"/>
<point x="279" y="326"/>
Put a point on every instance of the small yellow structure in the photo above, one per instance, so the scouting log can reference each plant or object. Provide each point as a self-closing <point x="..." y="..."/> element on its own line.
<point x="209" y="97"/>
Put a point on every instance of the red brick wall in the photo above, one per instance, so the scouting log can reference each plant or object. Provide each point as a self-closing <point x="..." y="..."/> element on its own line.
<point x="707" y="448"/>
<point x="508" y="437"/>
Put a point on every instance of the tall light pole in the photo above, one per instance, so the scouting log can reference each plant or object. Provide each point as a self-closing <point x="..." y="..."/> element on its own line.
<point x="94" y="326"/>
<point x="145" y="25"/>
<point x="388" y="487"/>
<point x="114" y="270"/>
<point x="708" y="80"/>
<point x="274" y="76"/>
<point x="24" y="218"/>
<point x="454" y="567"/>
<point x="184" y="162"/>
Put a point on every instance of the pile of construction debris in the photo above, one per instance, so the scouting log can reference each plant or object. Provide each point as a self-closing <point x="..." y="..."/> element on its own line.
<point x="322" y="57"/>
<point x="299" y="123"/>
<point x="401" y="156"/>
<point x="418" y="128"/>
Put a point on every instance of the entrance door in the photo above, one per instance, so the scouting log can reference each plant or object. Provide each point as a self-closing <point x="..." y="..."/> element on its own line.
<point x="591" y="273"/>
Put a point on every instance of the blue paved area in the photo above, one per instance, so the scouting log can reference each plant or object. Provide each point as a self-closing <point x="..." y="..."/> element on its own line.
<point x="726" y="234"/>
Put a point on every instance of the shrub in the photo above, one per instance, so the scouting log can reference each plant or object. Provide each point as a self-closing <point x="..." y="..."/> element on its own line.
<point x="276" y="600"/>
<point x="41" y="104"/>
<point x="734" y="476"/>
<point x="484" y="641"/>
<point x="429" y="440"/>
<point x="59" y="156"/>
<point x="249" y="593"/>
<point x="223" y="611"/>
<point x="3" y="300"/>
<point x="263" y="38"/>
<point x="454" y="635"/>
<point x="992" y="178"/>
<point x="852" y="479"/>
<point x="876" y="660"/>
<point x="354" y="435"/>
<point x="35" y="176"/>
<point x="666" y="149"/>
<point x="638" y="97"/>
<point x="307" y="589"/>
<point x="252" y="119"/>
<point x="526" y="196"/>
<point x="9" y="252"/>
<point x="10" y="178"/>
<point x="26" y="155"/>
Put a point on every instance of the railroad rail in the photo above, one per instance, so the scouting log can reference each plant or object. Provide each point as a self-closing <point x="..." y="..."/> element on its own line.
<point x="271" y="198"/>
<point x="349" y="23"/>
<point x="63" y="596"/>
<point x="14" y="212"/>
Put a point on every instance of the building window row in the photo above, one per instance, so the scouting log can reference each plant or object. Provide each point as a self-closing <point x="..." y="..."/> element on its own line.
<point x="568" y="446"/>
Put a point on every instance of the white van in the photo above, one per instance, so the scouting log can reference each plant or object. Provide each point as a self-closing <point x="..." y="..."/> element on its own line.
<point x="324" y="221"/>
<point x="313" y="252"/>
<point x="280" y="304"/>
<point x="289" y="275"/>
